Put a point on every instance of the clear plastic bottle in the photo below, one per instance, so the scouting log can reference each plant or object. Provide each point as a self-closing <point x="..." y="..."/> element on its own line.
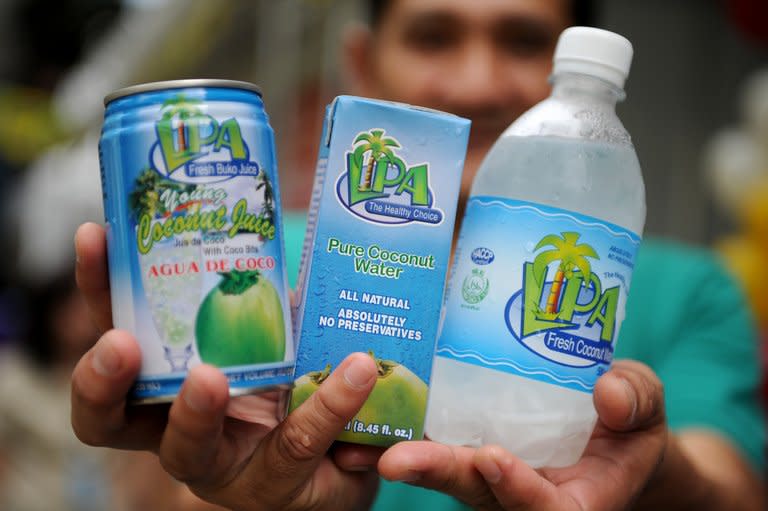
<point x="519" y="353"/>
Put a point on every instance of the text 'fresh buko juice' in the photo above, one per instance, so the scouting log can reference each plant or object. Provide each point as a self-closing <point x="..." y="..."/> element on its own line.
<point x="194" y="234"/>
<point x="376" y="254"/>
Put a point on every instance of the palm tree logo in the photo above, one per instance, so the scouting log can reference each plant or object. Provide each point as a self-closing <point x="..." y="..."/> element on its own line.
<point x="144" y="199"/>
<point x="148" y="188"/>
<point x="375" y="143"/>
<point x="182" y="108"/>
<point x="268" y="204"/>
<point x="572" y="256"/>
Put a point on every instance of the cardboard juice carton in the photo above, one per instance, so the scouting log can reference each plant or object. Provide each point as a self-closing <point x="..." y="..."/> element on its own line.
<point x="376" y="254"/>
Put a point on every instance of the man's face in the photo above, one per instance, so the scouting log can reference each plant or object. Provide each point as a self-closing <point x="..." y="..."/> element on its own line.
<point x="487" y="60"/>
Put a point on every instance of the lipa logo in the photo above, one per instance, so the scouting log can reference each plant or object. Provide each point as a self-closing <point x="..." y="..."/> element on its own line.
<point x="379" y="186"/>
<point x="562" y="312"/>
<point x="194" y="147"/>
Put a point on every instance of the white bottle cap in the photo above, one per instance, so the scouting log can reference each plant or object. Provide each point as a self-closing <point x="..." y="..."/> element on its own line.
<point x="595" y="52"/>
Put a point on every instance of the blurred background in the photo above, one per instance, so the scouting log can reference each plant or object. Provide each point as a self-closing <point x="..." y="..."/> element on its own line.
<point x="697" y="110"/>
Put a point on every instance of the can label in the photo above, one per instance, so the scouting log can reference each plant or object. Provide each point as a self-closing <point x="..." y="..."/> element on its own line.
<point x="545" y="300"/>
<point x="195" y="246"/>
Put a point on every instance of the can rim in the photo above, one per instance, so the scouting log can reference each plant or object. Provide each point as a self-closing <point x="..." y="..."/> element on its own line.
<point x="180" y="84"/>
<point x="233" y="392"/>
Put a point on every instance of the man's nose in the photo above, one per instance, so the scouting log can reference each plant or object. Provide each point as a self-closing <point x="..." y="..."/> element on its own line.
<point x="477" y="84"/>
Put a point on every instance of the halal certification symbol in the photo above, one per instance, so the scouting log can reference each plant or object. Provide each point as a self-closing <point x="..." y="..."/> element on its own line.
<point x="475" y="287"/>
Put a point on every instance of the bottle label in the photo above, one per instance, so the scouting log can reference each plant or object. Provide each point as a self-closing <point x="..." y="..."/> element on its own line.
<point x="537" y="291"/>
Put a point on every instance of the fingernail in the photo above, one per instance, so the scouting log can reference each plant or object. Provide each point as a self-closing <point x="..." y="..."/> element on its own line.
<point x="358" y="373"/>
<point x="490" y="470"/>
<point x="198" y="401"/>
<point x="632" y="397"/>
<point x="105" y="359"/>
<point x="360" y="468"/>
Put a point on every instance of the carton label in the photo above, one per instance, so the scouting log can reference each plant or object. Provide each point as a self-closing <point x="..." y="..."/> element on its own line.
<point x="373" y="271"/>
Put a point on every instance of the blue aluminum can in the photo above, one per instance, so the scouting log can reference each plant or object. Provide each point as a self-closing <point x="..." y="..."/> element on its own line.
<point x="194" y="234"/>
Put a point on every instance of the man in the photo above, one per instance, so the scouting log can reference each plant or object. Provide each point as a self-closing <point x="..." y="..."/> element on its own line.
<point x="487" y="59"/>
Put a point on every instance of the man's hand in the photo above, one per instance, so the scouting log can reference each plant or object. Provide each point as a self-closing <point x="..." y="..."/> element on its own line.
<point x="623" y="454"/>
<point x="231" y="452"/>
<point x="631" y="462"/>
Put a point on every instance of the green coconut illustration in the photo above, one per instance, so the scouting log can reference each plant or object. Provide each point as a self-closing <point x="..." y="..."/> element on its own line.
<point x="398" y="400"/>
<point x="240" y="321"/>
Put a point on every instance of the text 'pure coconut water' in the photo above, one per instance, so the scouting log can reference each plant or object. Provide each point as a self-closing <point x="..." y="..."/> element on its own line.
<point x="375" y="258"/>
<point x="543" y="266"/>
<point x="193" y="232"/>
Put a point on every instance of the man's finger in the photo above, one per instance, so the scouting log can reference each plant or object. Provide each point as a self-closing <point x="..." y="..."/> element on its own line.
<point x="292" y="451"/>
<point x="517" y="485"/>
<point x="263" y="408"/>
<point x="448" y="469"/>
<point x="629" y="397"/>
<point x="92" y="274"/>
<point x="192" y="439"/>
<point x="100" y="383"/>
<point x="356" y="458"/>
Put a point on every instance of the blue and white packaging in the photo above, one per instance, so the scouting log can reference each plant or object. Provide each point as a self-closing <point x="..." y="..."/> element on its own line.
<point x="376" y="254"/>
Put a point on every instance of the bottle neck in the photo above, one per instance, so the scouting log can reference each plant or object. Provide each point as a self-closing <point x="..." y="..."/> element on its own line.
<point x="584" y="87"/>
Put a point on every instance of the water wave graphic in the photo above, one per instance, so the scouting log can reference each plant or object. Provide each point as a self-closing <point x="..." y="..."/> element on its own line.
<point x="469" y="354"/>
<point x="495" y="202"/>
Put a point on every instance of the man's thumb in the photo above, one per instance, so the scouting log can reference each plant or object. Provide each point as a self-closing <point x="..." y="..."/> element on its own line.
<point x="293" y="450"/>
<point x="629" y="397"/>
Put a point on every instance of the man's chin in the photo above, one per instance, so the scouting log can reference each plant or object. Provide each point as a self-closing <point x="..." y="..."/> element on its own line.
<point x="483" y="138"/>
<point x="475" y="156"/>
